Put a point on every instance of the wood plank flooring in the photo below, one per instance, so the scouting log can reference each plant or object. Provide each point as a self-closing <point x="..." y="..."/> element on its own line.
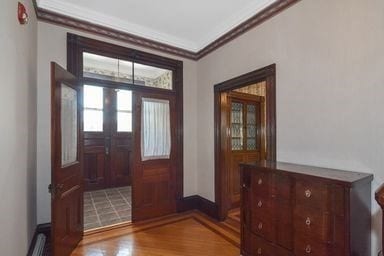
<point x="188" y="234"/>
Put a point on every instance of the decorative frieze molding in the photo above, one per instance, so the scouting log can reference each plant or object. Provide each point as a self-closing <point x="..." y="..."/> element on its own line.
<point x="63" y="20"/>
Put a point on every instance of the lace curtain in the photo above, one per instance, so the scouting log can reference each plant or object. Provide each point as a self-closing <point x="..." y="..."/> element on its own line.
<point x="155" y="129"/>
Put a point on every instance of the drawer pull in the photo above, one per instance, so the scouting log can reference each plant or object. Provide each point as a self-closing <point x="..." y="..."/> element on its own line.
<point x="308" y="249"/>
<point x="308" y="221"/>
<point x="260" y="226"/>
<point x="259" y="204"/>
<point x="260" y="181"/>
<point x="308" y="193"/>
<point x="259" y="251"/>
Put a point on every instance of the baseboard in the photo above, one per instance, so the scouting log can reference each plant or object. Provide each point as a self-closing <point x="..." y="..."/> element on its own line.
<point x="41" y="228"/>
<point x="202" y="204"/>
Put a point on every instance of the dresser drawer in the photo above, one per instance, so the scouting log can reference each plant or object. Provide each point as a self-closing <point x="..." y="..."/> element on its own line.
<point x="311" y="194"/>
<point x="310" y="222"/>
<point x="261" y="184"/>
<point x="262" y="207"/>
<point x="282" y="187"/>
<point x="263" y="247"/>
<point x="263" y="228"/>
<point x="310" y="247"/>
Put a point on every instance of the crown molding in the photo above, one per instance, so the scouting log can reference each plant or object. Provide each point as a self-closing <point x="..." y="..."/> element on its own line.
<point x="82" y="13"/>
<point x="113" y="33"/>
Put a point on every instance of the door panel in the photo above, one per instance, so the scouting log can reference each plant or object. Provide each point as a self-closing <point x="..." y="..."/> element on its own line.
<point x="154" y="180"/>
<point x="121" y="160"/>
<point x="95" y="161"/>
<point x="246" y="143"/>
<point x="66" y="186"/>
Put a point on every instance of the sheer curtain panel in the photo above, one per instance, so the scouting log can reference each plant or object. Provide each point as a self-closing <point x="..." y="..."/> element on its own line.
<point x="155" y="129"/>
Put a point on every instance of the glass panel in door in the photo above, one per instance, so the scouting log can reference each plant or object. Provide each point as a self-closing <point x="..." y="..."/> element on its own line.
<point x="251" y="127"/>
<point x="237" y="126"/>
<point x="69" y="130"/>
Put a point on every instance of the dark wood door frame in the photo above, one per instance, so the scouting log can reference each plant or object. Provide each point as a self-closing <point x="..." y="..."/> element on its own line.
<point x="76" y="45"/>
<point x="267" y="74"/>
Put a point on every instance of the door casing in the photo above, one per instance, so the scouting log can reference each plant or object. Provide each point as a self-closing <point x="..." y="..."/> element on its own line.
<point x="221" y="108"/>
<point x="76" y="45"/>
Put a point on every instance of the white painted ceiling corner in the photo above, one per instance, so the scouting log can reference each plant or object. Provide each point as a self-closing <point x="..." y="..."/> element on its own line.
<point x="190" y="25"/>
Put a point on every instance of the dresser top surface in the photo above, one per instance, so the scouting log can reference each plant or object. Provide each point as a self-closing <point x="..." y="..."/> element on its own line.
<point x="325" y="173"/>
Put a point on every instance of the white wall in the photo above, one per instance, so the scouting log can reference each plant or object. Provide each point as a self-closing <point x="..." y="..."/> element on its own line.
<point x="52" y="47"/>
<point x="330" y="88"/>
<point x="18" y="46"/>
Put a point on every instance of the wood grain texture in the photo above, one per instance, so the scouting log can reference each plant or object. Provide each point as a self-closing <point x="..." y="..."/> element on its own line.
<point x="187" y="234"/>
<point x="290" y="209"/>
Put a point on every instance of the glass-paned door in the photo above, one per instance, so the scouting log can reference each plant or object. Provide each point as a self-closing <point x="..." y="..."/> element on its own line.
<point x="107" y="137"/>
<point x="245" y="125"/>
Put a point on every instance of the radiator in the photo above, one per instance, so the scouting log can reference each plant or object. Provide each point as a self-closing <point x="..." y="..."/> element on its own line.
<point x="39" y="245"/>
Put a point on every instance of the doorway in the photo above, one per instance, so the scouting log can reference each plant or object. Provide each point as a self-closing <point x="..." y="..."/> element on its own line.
<point x="107" y="127"/>
<point x="130" y="81"/>
<point x="245" y="130"/>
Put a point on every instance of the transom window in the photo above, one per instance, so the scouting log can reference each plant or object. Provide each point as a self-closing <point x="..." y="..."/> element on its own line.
<point x="113" y="69"/>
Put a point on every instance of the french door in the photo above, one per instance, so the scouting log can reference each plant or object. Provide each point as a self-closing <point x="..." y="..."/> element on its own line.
<point x="107" y="137"/>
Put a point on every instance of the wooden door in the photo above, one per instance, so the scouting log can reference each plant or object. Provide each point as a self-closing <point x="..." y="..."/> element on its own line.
<point x="107" y="143"/>
<point x="66" y="186"/>
<point x="154" y="173"/>
<point x="247" y="139"/>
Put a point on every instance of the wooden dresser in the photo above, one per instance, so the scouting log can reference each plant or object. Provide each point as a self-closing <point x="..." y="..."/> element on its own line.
<point x="290" y="209"/>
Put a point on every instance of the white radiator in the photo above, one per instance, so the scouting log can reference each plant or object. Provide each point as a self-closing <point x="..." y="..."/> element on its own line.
<point x="39" y="245"/>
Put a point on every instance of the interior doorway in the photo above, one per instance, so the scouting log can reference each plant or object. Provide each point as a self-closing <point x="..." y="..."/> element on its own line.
<point x="245" y="131"/>
<point x="107" y="128"/>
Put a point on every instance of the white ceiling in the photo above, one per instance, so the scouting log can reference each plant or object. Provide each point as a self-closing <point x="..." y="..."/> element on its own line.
<point x="190" y="25"/>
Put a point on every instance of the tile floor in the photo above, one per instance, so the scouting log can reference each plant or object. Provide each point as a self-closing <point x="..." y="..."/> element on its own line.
<point x="106" y="207"/>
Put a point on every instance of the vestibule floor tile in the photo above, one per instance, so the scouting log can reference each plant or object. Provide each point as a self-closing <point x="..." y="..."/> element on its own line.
<point x="107" y="207"/>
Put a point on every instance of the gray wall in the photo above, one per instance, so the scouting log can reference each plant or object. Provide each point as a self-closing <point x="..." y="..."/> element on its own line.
<point x="329" y="57"/>
<point x="18" y="45"/>
<point x="52" y="47"/>
<point x="330" y="88"/>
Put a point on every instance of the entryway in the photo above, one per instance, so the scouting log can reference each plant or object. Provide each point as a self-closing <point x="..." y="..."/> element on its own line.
<point x="107" y="127"/>
<point x="117" y="139"/>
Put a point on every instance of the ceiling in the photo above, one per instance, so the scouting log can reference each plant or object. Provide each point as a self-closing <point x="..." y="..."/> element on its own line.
<point x="190" y="25"/>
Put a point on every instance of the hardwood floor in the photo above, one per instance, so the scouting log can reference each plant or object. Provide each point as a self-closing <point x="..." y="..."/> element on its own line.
<point x="187" y="234"/>
<point x="233" y="220"/>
